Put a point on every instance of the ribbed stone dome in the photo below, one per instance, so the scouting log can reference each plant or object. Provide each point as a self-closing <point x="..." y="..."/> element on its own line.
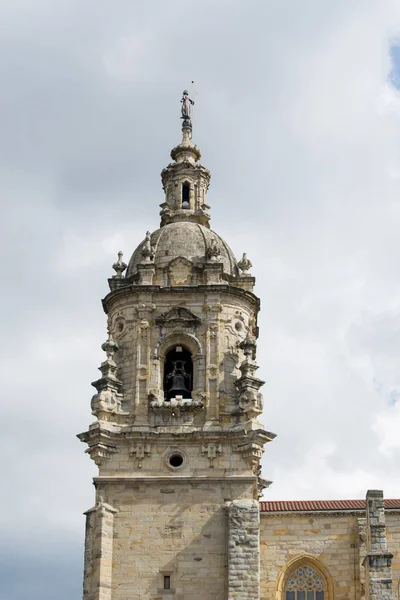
<point x="188" y="240"/>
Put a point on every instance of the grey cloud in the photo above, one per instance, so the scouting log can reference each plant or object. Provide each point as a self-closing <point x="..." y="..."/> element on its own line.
<point x="299" y="129"/>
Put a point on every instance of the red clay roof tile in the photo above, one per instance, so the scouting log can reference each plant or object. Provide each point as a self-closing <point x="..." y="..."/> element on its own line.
<point x="320" y="505"/>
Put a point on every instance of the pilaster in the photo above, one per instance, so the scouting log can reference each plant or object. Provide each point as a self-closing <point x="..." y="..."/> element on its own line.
<point x="98" y="552"/>
<point x="378" y="561"/>
<point x="243" y="550"/>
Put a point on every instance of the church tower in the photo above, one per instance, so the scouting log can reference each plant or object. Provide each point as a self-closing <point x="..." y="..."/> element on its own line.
<point x="176" y="435"/>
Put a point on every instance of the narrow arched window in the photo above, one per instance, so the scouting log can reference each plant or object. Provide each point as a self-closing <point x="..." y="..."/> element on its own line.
<point x="305" y="583"/>
<point x="178" y="374"/>
<point x="185" y="194"/>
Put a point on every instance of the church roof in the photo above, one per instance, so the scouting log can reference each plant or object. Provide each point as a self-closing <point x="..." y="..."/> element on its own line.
<point x="189" y="240"/>
<point x="279" y="506"/>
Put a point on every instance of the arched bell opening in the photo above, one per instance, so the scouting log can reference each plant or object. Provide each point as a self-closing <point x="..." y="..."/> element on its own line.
<point x="178" y="373"/>
<point x="185" y="194"/>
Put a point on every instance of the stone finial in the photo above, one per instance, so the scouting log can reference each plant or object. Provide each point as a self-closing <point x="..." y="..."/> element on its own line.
<point x="119" y="266"/>
<point x="213" y="252"/>
<point x="245" y="264"/>
<point x="108" y="397"/>
<point x="248" y="385"/>
<point x="110" y="347"/>
<point x="249" y="346"/>
<point x="148" y="251"/>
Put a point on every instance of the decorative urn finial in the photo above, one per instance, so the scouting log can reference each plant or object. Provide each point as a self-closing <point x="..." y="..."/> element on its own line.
<point x="119" y="266"/>
<point x="110" y="347"/>
<point x="245" y="264"/>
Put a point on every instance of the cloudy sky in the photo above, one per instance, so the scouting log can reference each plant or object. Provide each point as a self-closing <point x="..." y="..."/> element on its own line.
<point x="298" y="118"/>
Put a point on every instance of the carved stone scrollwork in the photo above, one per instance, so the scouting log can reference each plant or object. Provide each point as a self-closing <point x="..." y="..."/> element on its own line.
<point x="175" y="411"/>
<point x="177" y="318"/>
<point x="175" y="405"/>
<point x="107" y="401"/>
<point x="180" y="271"/>
<point x="143" y="310"/>
<point x="100" y="452"/>
<point x="165" y="209"/>
<point x="199" y="396"/>
<point x="262" y="484"/>
<point x="362" y="532"/>
<point x="252" y="453"/>
<point x="213" y="252"/>
<point x="148" y="251"/>
<point x="248" y="385"/>
<point x="212" y="451"/>
<point x="140" y="451"/>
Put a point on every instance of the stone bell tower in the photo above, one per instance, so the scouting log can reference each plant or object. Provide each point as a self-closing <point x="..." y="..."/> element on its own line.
<point x="176" y="435"/>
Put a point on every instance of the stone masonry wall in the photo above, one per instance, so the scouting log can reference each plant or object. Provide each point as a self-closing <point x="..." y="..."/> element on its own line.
<point x="98" y="552"/>
<point x="171" y="528"/>
<point x="331" y="539"/>
<point x="393" y="542"/>
<point x="243" y="550"/>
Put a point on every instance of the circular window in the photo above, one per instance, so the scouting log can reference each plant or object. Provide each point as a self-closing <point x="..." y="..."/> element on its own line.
<point x="175" y="460"/>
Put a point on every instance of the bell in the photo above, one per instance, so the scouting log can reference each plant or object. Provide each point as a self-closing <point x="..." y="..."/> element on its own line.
<point x="179" y="381"/>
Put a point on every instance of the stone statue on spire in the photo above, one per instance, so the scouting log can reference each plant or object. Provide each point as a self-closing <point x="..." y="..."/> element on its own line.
<point x="186" y="106"/>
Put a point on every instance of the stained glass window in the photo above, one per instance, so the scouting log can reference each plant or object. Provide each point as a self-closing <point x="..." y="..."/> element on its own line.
<point x="305" y="583"/>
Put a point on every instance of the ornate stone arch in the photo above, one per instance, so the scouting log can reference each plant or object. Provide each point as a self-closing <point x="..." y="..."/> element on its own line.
<point x="191" y="343"/>
<point x="178" y="337"/>
<point x="290" y="576"/>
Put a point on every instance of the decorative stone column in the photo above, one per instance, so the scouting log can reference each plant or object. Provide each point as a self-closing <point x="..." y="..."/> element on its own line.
<point x="98" y="552"/>
<point x="243" y="550"/>
<point x="378" y="561"/>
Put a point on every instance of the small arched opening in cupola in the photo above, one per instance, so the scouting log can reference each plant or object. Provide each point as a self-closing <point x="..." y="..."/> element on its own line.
<point x="185" y="194"/>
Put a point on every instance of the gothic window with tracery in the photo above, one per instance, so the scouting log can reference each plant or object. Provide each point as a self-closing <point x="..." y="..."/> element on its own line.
<point x="305" y="583"/>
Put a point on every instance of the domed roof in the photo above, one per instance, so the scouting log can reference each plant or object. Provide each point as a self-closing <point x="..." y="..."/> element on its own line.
<point x="188" y="240"/>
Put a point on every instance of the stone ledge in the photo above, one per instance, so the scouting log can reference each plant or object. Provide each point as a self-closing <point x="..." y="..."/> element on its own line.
<point x="173" y="478"/>
<point x="130" y="290"/>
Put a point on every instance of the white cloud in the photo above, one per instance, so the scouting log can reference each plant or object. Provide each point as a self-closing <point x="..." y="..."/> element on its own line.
<point x="316" y="472"/>
<point x="387" y="426"/>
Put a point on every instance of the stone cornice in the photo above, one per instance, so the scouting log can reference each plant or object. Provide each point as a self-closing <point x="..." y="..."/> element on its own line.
<point x="188" y="436"/>
<point x="172" y="478"/>
<point x="98" y="434"/>
<point x="129" y="289"/>
<point x="186" y="167"/>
